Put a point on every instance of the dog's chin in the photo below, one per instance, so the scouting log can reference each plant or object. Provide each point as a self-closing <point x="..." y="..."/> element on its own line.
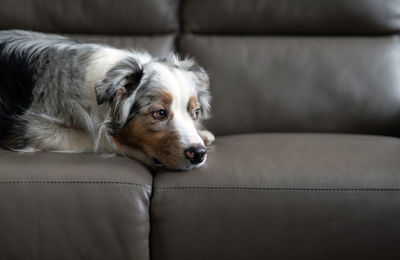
<point x="184" y="166"/>
<point x="157" y="163"/>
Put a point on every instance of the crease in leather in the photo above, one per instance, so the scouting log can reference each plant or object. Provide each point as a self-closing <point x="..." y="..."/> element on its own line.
<point x="76" y="182"/>
<point x="278" y="189"/>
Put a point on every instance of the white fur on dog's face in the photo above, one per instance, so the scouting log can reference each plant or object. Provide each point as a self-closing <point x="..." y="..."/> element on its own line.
<point x="164" y="138"/>
<point x="181" y="85"/>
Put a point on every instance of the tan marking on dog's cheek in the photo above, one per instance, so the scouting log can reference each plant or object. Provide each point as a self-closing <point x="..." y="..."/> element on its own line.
<point x="136" y="133"/>
<point x="163" y="145"/>
<point x="156" y="139"/>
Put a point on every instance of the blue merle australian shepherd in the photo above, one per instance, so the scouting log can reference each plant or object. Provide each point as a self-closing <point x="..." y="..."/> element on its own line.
<point x="58" y="94"/>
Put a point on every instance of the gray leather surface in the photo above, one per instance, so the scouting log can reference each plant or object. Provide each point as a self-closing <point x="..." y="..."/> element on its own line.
<point x="275" y="224"/>
<point x="157" y="45"/>
<point x="318" y="161"/>
<point x="301" y="84"/>
<point x="282" y="196"/>
<point x="73" y="206"/>
<point x="90" y="16"/>
<point x="292" y="16"/>
<point x="62" y="167"/>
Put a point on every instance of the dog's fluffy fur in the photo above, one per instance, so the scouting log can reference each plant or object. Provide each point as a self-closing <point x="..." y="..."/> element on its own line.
<point x="57" y="94"/>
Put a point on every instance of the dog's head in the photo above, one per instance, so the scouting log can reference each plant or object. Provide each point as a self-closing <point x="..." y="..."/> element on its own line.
<point x="156" y="107"/>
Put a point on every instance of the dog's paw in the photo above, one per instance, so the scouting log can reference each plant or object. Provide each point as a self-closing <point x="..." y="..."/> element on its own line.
<point x="24" y="150"/>
<point x="207" y="137"/>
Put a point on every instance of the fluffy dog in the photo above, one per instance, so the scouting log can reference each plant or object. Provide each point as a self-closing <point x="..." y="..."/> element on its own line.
<point x="57" y="94"/>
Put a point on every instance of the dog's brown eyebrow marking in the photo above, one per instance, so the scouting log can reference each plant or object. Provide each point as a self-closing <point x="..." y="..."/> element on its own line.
<point x="192" y="105"/>
<point x="166" y="98"/>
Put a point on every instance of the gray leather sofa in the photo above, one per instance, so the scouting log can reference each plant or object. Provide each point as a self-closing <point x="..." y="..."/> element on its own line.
<point x="306" y="164"/>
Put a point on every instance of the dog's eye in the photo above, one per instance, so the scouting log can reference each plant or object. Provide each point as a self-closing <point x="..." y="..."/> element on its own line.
<point x="160" y="114"/>
<point x="196" y="114"/>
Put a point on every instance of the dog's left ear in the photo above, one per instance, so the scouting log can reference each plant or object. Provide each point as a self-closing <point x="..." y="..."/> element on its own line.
<point x="201" y="75"/>
<point x="119" y="81"/>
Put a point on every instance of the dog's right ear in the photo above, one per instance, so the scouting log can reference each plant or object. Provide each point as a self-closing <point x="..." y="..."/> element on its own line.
<point x="119" y="81"/>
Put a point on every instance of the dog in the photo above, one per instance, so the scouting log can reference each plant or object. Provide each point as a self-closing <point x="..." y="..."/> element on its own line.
<point x="58" y="94"/>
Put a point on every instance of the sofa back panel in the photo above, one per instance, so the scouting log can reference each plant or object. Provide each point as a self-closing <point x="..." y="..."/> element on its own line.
<point x="90" y="16"/>
<point x="292" y="16"/>
<point x="280" y="84"/>
<point x="157" y="45"/>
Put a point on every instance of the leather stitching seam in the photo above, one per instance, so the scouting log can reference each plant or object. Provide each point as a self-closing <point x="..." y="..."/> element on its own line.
<point x="76" y="182"/>
<point x="283" y="189"/>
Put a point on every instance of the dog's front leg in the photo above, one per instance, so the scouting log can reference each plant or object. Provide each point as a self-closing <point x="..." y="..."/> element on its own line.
<point x="207" y="136"/>
<point x="55" y="138"/>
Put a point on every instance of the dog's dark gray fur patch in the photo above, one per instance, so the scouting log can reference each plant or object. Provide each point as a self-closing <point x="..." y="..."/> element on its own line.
<point x="30" y="63"/>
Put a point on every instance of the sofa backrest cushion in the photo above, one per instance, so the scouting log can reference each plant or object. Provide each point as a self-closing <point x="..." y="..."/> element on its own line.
<point x="291" y="17"/>
<point x="298" y="65"/>
<point x="90" y="16"/>
<point x="275" y="66"/>
<point x="301" y="84"/>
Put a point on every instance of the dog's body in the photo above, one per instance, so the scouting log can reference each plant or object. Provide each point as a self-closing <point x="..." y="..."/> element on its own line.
<point x="57" y="94"/>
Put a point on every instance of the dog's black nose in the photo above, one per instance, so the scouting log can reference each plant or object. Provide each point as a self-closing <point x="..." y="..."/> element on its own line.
<point x="196" y="154"/>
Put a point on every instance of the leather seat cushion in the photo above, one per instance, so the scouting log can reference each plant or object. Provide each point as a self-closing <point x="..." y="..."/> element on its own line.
<point x="282" y="196"/>
<point x="73" y="206"/>
<point x="321" y="161"/>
